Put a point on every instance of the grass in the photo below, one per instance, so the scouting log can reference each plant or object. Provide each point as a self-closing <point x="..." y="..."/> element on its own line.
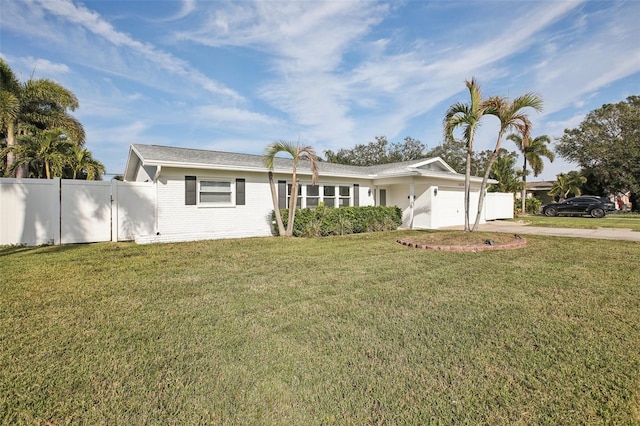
<point x="627" y="221"/>
<point x="339" y="330"/>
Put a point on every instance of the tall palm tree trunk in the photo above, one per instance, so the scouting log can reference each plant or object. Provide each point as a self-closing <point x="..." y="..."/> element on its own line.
<point x="276" y="208"/>
<point x="524" y="185"/>
<point x="467" y="189"/>
<point x="485" y="179"/>
<point x="11" y="142"/>
<point x="293" y="202"/>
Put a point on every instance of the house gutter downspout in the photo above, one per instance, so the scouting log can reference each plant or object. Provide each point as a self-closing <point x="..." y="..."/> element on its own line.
<point x="157" y="174"/>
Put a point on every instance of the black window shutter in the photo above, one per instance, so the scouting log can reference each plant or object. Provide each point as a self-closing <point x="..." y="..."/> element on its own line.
<point x="356" y="194"/>
<point x="282" y="194"/>
<point x="190" y="192"/>
<point x="240" y="192"/>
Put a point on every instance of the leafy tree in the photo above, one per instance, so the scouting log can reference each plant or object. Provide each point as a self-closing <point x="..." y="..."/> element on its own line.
<point x="511" y="118"/>
<point x="298" y="153"/>
<point x="378" y="152"/>
<point x="467" y="117"/>
<point x="36" y="104"/>
<point x="368" y="154"/>
<point x="567" y="184"/>
<point x="410" y="149"/>
<point x="532" y="152"/>
<point x="607" y="147"/>
<point x="453" y="152"/>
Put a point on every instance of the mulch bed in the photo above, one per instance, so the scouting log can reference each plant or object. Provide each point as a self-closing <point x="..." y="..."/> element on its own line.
<point x="463" y="241"/>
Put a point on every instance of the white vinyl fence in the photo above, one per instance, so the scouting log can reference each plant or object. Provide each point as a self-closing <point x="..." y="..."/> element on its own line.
<point x="61" y="211"/>
<point x="498" y="205"/>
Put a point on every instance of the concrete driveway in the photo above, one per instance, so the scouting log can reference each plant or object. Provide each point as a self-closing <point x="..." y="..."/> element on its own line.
<point x="524" y="229"/>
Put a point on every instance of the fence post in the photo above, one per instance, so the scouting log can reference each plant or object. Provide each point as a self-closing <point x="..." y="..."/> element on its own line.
<point x="115" y="225"/>
<point x="56" y="211"/>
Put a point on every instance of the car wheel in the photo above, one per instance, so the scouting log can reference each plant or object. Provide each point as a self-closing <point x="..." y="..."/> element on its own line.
<point x="550" y="212"/>
<point x="597" y="213"/>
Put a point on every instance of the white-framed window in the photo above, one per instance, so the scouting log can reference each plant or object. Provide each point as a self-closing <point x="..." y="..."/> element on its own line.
<point x="215" y="192"/>
<point x="299" y="201"/>
<point x="329" y="196"/>
<point x="313" y="195"/>
<point x="344" y="198"/>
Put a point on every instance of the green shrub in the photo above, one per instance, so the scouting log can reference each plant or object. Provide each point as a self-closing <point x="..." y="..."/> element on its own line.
<point x="533" y="205"/>
<point x="323" y="221"/>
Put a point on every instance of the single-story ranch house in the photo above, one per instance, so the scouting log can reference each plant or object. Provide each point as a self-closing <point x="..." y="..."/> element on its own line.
<point x="204" y="194"/>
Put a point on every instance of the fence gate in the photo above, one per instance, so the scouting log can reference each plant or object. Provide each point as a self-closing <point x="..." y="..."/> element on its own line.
<point x="85" y="211"/>
<point x="60" y="211"/>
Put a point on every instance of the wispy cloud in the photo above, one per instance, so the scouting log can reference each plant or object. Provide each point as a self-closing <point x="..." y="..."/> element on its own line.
<point x="214" y="115"/>
<point x="188" y="7"/>
<point x="608" y="51"/>
<point x="92" y="22"/>
<point x="308" y="44"/>
<point x="123" y="54"/>
<point x="40" y="67"/>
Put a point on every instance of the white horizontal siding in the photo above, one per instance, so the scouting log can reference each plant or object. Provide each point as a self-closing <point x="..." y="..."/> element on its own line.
<point x="175" y="220"/>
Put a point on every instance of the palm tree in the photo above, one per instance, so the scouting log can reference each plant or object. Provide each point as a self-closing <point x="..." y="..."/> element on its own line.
<point x="83" y="164"/>
<point x="9" y="106"/>
<point x="298" y="153"/>
<point x="508" y="178"/>
<point x="42" y="154"/>
<point x="468" y="117"/>
<point x="511" y="117"/>
<point x="36" y="104"/>
<point x="533" y="153"/>
<point x="567" y="183"/>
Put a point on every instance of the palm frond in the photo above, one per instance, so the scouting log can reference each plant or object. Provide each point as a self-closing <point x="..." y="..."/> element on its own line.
<point x="528" y="100"/>
<point x="277" y="147"/>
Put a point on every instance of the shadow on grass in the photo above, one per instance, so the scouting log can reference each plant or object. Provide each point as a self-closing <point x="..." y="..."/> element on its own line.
<point x="12" y="250"/>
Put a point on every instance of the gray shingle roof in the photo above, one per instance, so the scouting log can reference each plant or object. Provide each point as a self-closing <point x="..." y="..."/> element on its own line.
<point x="166" y="155"/>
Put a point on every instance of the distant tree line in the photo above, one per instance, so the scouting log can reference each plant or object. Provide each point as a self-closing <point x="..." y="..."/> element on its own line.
<point x="453" y="152"/>
<point x="379" y="151"/>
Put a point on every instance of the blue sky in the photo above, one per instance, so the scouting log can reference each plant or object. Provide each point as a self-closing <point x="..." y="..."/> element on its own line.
<point x="236" y="75"/>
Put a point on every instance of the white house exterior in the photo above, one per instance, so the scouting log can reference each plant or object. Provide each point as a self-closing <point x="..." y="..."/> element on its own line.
<point x="204" y="194"/>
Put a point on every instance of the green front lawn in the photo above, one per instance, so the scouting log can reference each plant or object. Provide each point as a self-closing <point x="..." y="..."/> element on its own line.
<point x="628" y="221"/>
<point x="338" y="330"/>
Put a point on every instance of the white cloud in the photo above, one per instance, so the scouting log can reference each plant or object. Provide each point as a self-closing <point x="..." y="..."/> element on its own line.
<point x="75" y="27"/>
<point x="608" y="51"/>
<point x="306" y="42"/>
<point x="188" y="7"/>
<point x="214" y="115"/>
<point x="321" y="93"/>
<point x="41" y="68"/>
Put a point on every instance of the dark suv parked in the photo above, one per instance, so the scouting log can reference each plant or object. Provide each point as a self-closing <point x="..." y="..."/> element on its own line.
<point x="586" y="204"/>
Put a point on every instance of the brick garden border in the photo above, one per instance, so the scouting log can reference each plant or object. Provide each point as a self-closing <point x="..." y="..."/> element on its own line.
<point x="481" y="247"/>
